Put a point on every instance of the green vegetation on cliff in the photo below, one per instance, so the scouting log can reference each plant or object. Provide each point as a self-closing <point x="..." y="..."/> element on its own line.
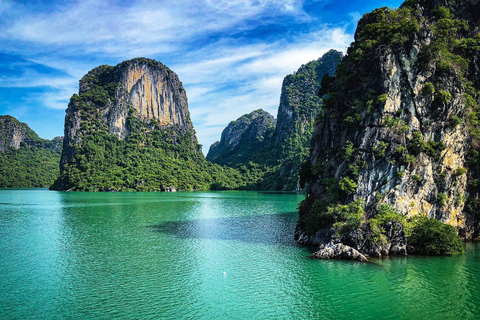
<point x="26" y="160"/>
<point x="151" y="158"/>
<point x="245" y="141"/>
<point x="103" y="154"/>
<point x="390" y="129"/>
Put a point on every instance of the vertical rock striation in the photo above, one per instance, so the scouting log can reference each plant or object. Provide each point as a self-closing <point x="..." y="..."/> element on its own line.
<point x="298" y="108"/>
<point x="139" y="87"/>
<point x="399" y="125"/>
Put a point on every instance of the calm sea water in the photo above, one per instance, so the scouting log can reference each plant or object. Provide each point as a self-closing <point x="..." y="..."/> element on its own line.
<point x="204" y="255"/>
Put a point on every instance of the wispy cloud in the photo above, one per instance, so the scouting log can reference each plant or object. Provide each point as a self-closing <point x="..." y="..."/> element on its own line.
<point x="104" y="27"/>
<point x="248" y="77"/>
<point x="231" y="55"/>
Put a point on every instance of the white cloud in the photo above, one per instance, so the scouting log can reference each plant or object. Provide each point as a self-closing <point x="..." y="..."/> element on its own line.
<point x="257" y="72"/>
<point x="225" y="77"/>
<point x="141" y="28"/>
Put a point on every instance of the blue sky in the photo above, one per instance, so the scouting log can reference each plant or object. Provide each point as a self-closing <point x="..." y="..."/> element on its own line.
<point x="230" y="55"/>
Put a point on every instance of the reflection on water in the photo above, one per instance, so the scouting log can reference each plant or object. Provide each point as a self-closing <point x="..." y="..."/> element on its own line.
<point x="267" y="229"/>
<point x="206" y="255"/>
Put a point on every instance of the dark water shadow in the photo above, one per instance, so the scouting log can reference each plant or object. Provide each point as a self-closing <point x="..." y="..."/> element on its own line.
<point x="277" y="229"/>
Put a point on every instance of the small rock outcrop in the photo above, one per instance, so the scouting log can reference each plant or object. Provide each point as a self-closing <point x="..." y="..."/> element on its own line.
<point x="243" y="140"/>
<point x="333" y="250"/>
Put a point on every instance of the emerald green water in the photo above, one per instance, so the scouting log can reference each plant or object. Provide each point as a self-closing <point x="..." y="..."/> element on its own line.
<point x="204" y="255"/>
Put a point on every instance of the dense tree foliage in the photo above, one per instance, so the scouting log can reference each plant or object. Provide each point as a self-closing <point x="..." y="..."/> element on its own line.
<point x="28" y="167"/>
<point x="150" y="159"/>
<point x="34" y="164"/>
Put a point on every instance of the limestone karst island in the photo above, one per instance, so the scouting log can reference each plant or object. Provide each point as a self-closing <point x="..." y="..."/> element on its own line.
<point x="359" y="197"/>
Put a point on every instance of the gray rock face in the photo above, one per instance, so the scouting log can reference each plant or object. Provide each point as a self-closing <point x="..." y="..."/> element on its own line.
<point x="333" y="250"/>
<point x="153" y="91"/>
<point x="300" y="104"/>
<point x="13" y="132"/>
<point x="407" y="145"/>
<point x="283" y="144"/>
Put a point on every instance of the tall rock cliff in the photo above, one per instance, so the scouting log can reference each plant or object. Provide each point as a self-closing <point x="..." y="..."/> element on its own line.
<point x="244" y="140"/>
<point x="399" y="130"/>
<point x="299" y="106"/>
<point x="129" y="128"/>
<point x="277" y="149"/>
<point x="26" y="160"/>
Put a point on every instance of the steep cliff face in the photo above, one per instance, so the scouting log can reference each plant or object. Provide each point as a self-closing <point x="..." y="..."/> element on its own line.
<point x="243" y="140"/>
<point x="129" y="128"/>
<point x="299" y="106"/>
<point x="154" y="92"/>
<point x="13" y="132"/>
<point x="399" y="127"/>
<point x="26" y="160"/>
<point x="276" y="150"/>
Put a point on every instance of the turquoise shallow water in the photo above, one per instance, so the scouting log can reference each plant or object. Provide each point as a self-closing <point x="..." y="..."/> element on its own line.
<point x="204" y="255"/>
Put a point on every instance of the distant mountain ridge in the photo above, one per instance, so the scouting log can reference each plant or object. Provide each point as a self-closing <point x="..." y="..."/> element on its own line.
<point x="26" y="160"/>
<point x="280" y="146"/>
<point x="245" y="138"/>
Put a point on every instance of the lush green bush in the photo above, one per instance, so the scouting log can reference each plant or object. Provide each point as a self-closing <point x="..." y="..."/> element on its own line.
<point x="430" y="236"/>
<point x="442" y="98"/>
<point x="381" y="99"/>
<point x="416" y="178"/>
<point x="396" y="124"/>
<point x="348" y="217"/>
<point x="428" y="89"/>
<point x="459" y="171"/>
<point x="442" y="199"/>
<point x="409" y="159"/>
<point x="349" y="151"/>
<point x="343" y="218"/>
<point x="455" y="121"/>
<point x="347" y="185"/>
<point x="380" y="149"/>
<point x="416" y="144"/>
<point x="385" y="215"/>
